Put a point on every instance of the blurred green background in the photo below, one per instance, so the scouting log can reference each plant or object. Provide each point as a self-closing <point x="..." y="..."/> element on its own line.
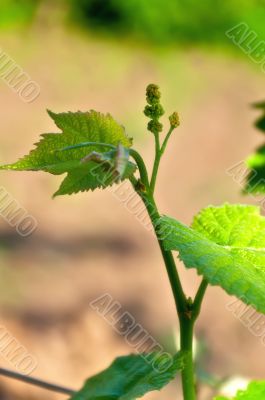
<point x="101" y="54"/>
<point x="179" y="22"/>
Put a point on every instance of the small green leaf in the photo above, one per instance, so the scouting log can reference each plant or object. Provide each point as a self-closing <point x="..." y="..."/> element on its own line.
<point x="91" y="176"/>
<point x="77" y="128"/>
<point x="257" y="160"/>
<point x="255" y="182"/>
<point x="130" y="377"/>
<point x="260" y="123"/>
<point x="227" y="246"/>
<point x="259" y="104"/>
<point x="254" y="391"/>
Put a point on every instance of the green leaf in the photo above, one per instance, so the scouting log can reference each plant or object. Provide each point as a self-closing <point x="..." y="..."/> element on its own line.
<point x="259" y="104"/>
<point x="260" y="123"/>
<point x="77" y="128"/>
<point x="257" y="160"/>
<point x="226" y="245"/>
<point x="130" y="377"/>
<point x="255" y="182"/>
<point x="91" y="177"/>
<point x="254" y="391"/>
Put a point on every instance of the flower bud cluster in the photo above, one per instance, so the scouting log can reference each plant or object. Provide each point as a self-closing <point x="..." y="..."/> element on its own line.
<point x="153" y="109"/>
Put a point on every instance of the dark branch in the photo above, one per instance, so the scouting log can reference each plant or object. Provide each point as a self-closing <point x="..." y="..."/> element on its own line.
<point x="36" y="382"/>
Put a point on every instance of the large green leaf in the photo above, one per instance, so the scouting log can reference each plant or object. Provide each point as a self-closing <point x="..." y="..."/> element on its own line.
<point x="76" y="128"/>
<point x="226" y="245"/>
<point x="129" y="377"/>
<point x="255" y="391"/>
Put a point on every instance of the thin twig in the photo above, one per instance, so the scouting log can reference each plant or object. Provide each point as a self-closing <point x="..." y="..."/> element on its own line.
<point x="37" y="382"/>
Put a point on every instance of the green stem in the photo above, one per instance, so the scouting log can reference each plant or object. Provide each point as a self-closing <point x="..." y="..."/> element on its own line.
<point x="164" y="145"/>
<point x="178" y="293"/>
<point x="187" y="375"/>
<point x="181" y="302"/>
<point x="187" y="310"/>
<point x="196" y="307"/>
<point x="156" y="163"/>
<point x="186" y="338"/>
<point x="141" y="166"/>
<point x="159" y="151"/>
<point x="182" y="306"/>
